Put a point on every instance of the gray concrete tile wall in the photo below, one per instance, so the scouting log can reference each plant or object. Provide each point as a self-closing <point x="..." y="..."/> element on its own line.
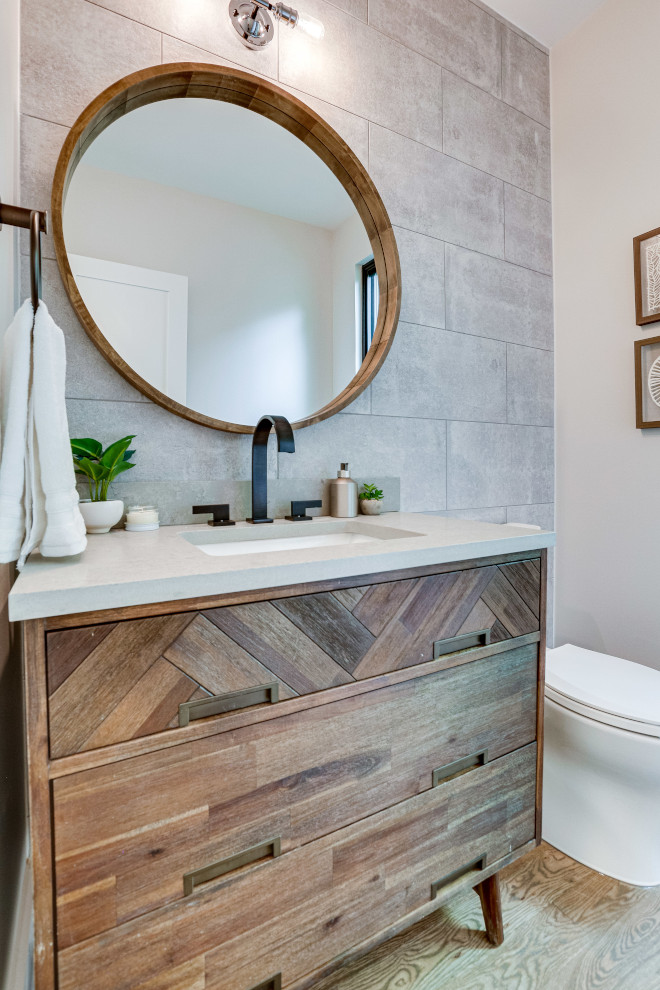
<point x="422" y="261"/>
<point x="72" y="51"/>
<point x="203" y="23"/>
<point x="498" y="464"/>
<point x="365" y="72"/>
<point x="453" y="33"/>
<point x="530" y="385"/>
<point x="493" y="298"/>
<point x="462" y="410"/>
<point x="434" y="194"/>
<point x="175" y="499"/>
<point x="527" y="230"/>
<point x="525" y="77"/>
<point x="435" y="374"/>
<point x="492" y="136"/>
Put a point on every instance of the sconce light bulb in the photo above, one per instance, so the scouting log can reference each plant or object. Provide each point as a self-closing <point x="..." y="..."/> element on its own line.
<point x="311" y="26"/>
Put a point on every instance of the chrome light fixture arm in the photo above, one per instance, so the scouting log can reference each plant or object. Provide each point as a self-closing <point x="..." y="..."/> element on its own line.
<point x="254" y="25"/>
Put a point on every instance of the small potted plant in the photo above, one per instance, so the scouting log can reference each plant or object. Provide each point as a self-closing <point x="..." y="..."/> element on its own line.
<point x="100" y="467"/>
<point x="371" y="500"/>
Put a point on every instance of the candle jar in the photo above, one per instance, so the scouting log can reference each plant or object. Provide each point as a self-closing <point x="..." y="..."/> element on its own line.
<point x="141" y="518"/>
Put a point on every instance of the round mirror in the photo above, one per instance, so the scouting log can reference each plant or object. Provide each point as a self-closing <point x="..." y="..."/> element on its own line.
<point x="224" y="248"/>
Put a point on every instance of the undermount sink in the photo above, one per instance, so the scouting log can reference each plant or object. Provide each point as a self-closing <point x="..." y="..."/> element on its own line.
<point x="335" y="533"/>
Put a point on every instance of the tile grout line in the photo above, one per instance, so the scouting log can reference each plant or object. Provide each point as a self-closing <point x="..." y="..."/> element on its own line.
<point x="343" y="109"/>
<point x="523" y="113"/>
<point x="242" y="436"/>
<point x="509" y="25"/>
<point x="341" y="11"/>
<point x="442" y="65"/>
<point x="502" y="64"/>
<point x="444" y="282"/>
<point x="446" y="463"/>
<point x="483" y="254"/>
<point x="336" y="106"/>
<point x="504" y="219"/>
<point x="506" y="379"/>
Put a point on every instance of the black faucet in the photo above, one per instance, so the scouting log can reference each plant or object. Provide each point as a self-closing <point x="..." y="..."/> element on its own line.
<point x="285" y="445"/>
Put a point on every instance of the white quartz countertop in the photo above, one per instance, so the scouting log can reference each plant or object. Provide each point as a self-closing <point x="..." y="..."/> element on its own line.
<point x="121" y="569"/>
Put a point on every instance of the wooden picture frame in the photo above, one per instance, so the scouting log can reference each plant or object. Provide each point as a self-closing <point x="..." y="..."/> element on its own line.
<point x="647" y="389"/>
<point x="232" y="85"/>
<point x="647" y="310"/>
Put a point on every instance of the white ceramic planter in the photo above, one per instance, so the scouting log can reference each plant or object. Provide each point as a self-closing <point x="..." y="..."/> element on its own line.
<point x="100" y="517"/>
<point x="371" y="506"/>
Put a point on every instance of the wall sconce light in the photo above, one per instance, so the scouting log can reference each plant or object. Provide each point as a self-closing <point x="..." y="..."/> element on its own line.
<point x="253" y="22"/>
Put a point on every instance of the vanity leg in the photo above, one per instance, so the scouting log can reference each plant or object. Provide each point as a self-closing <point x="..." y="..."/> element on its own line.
<point x="491" y="905"/>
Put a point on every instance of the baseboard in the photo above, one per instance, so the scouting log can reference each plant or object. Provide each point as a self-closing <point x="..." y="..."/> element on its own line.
<point x="19" y="974"/>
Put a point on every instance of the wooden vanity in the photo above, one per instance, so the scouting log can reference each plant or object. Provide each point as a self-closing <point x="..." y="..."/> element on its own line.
<point x="242" y="791"/>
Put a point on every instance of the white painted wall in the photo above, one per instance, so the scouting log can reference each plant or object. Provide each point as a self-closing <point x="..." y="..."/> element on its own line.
<point x="606" y="190"/>
<point x="15" y="903"/>
<point x="268" y="309"/>
<point x="9" y="21"/>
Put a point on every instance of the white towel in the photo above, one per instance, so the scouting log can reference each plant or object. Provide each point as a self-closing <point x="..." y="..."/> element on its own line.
<point x="14" y="396"/>
<point x="50" y="517"/>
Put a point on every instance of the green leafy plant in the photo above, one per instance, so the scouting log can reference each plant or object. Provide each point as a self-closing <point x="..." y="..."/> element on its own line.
<point x="371" y="493"/>
<point x="100" y="466"/>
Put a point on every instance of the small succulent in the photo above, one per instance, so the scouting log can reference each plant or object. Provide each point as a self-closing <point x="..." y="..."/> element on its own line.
<point x="371" y="493"/>
<point x="100" y="466"/>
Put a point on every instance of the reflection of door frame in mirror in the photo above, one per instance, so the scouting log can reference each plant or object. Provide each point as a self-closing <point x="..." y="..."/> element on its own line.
<point x="162" y="82"/>
<point x="167" y="321"/>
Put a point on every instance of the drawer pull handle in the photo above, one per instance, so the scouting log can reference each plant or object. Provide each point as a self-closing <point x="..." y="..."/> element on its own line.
<point x="230" y="702"/>
<point x="274" y="983"/>
<point x="450" y="770"/>
<point x="465" y="642"/>
<point x="271" y="848"/>
<point x="479" y="863"/>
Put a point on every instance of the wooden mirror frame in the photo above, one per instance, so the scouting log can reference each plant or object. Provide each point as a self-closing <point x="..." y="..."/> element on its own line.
<point x="191" y="79"/>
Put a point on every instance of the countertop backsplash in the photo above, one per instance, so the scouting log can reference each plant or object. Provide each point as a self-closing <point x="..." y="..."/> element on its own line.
<point x="174" y="499"/>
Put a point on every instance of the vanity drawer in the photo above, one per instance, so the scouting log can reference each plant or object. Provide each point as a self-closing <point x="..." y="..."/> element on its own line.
<point x="127" y="833"/>
<point x="293" y="914"/>
<point x="120" y="680"/>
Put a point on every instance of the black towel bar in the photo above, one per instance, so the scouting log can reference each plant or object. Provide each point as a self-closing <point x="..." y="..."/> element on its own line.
<point x="37" y="223"/>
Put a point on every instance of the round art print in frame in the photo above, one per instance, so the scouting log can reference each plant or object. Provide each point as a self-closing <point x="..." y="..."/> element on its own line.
<point x="647" y="383"/>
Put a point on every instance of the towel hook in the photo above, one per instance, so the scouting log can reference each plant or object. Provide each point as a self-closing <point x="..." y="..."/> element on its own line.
<point x="35" y="258"/>
<point x="37" y="222"/>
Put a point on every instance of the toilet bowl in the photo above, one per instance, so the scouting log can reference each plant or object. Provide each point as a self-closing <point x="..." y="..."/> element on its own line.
<point x="601" y="777"/>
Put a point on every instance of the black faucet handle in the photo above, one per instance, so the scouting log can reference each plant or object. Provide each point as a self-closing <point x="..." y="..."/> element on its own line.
<point x="220" y="514"/>
<point x="298" y="513"/>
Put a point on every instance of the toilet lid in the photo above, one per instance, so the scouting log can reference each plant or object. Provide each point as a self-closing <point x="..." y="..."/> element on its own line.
<point x="608" y="684"/>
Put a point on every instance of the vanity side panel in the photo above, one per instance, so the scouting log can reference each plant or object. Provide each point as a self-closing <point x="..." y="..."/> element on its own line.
<point x="41" y="839"/>
<point x="540" y="693"/>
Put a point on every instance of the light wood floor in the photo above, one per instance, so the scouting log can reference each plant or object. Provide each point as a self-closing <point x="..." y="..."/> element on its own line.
<point x="566" y="928"/>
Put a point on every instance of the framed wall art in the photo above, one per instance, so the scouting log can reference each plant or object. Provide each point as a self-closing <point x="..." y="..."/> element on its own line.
<point x="646" y="250"/>
<point x="647" y="383"/>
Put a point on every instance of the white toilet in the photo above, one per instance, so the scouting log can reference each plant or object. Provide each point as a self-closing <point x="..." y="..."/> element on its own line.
<point x="601" y="779"/>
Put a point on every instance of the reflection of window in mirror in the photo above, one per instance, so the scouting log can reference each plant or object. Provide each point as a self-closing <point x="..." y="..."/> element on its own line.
<point x="369" y="304"/>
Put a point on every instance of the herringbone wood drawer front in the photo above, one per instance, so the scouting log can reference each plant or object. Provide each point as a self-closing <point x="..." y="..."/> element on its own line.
<point x="291" y="914"/>
<point x="127" y="833"/>
<point x="120" y="680"/>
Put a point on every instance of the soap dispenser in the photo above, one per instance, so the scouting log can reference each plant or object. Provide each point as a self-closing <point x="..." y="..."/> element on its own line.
<point x="343" y="495"/>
